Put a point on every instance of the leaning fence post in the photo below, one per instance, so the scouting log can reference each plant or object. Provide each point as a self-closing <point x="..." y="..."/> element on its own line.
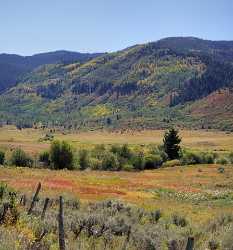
<point x="61" y="225"/>
<point x="34" y="198"/>
<point x="46" y="203"/>
<point x="190" y="243"/>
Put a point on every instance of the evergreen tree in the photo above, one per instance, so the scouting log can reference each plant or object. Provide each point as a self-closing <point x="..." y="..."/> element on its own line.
<point x="171" y="143"/>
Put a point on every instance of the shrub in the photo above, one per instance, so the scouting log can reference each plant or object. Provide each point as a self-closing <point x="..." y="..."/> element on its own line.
<point x="171" y="163"/>
<point x="122" y="151"/>
<point x="110" y="162"/>
<point x="191" y="158"/>
<point x="155" y="216"/>
<point x="45" y="157"/>
<point x="222" y="161"/>
<point x="98" y="151"/>
<point x="159" y="150"/>
<point x="95" y="163"/>
<point x="153" y="162"/>
<point x="61" y="155"/>
<point x="2" y="157"/>
<point x="179" y="220"/>
<point x="84" y="161"/>
<point x="208" y="158"/>
<point x="125" y="152"/>
<point x="20" y="159"/>
<point x="138" y="161"/>
<point x="213" y="245"/>
<point x="127" y="167"/>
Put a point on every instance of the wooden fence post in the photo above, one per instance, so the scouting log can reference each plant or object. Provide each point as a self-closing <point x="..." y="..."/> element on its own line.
<point x="190" y="243"/>
<point x="61" y="225"/>
<point x="34" y="198"/>
<point x="46" y="203"/>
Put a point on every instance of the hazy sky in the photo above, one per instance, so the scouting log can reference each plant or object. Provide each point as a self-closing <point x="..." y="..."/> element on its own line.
<point x="32" y="26"/>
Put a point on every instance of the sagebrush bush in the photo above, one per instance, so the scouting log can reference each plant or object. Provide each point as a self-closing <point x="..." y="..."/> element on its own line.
<point x="155" y="216"/>
<point x="179" y="220"/>
<point x="20" y="159"/>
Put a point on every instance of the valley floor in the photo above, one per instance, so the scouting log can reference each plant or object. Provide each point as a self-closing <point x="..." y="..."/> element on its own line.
<point x="32" y="140"/>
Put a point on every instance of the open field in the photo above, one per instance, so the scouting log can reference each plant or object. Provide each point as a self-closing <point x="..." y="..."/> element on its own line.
<point x="200" y="195"/>
<point x="29" y="139"/>
<point x="198" y="192"/>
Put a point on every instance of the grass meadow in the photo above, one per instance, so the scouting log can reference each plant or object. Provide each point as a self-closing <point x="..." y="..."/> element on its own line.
<point x="199" y="193"/>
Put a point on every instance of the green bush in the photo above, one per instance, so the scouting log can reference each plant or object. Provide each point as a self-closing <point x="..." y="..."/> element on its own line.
<point x="95" y="163"/>
<point x="84" y="161"/>
<point x="222" y="161"/>
<point x="45" y="158"/>
<point x="159" y="150"/>
<point x="110" y="162"/>
<point x="138" y="161"/>
<point x="98" y="151"/>
<point x="20" y="159"/>
<point x="191" y="158"/>
<point x="172" y="163"/>
<point x="153" y="161"/>
<point x="122" y="151"/>
<point x="127" y="167"/>
<point x="61" y="155"/>
<point x="2" y="157"/>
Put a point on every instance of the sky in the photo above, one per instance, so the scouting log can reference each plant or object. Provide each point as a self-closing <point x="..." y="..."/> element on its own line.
<point x="34" y="26"/>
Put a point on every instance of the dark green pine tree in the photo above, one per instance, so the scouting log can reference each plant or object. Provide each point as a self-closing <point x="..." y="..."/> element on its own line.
<point x="171" y="143"/>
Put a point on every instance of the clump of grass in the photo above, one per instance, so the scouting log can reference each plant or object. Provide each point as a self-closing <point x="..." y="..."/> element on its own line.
<point x="179" y="220"/>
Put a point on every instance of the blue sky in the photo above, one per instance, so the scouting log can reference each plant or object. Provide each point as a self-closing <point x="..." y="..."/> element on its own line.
<point x="33" y="26"/>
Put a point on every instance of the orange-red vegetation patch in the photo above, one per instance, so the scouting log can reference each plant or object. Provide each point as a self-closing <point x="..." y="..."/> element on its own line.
<point x="214" y="104"/>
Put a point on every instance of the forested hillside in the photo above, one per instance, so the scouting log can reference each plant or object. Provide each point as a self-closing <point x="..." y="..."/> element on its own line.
<point x="152" y="85"/>
<point x="12" y="67"/>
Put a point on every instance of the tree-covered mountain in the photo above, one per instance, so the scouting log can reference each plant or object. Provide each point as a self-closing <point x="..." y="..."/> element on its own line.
<point x="151" y="85"/>
<point x="12" y="67"/>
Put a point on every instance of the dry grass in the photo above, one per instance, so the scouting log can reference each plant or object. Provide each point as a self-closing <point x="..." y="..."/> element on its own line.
<point x="28" y="139"/>
<point x="133" y="187"/>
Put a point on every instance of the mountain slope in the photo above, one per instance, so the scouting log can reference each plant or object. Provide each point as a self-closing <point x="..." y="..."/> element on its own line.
<point x="151" y="85"/>
<point x="12" y="67"/>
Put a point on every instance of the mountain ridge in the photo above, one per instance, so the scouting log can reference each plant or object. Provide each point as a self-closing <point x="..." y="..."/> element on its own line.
<point x="13" y="66"/>
<point x="153" y="85"/>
